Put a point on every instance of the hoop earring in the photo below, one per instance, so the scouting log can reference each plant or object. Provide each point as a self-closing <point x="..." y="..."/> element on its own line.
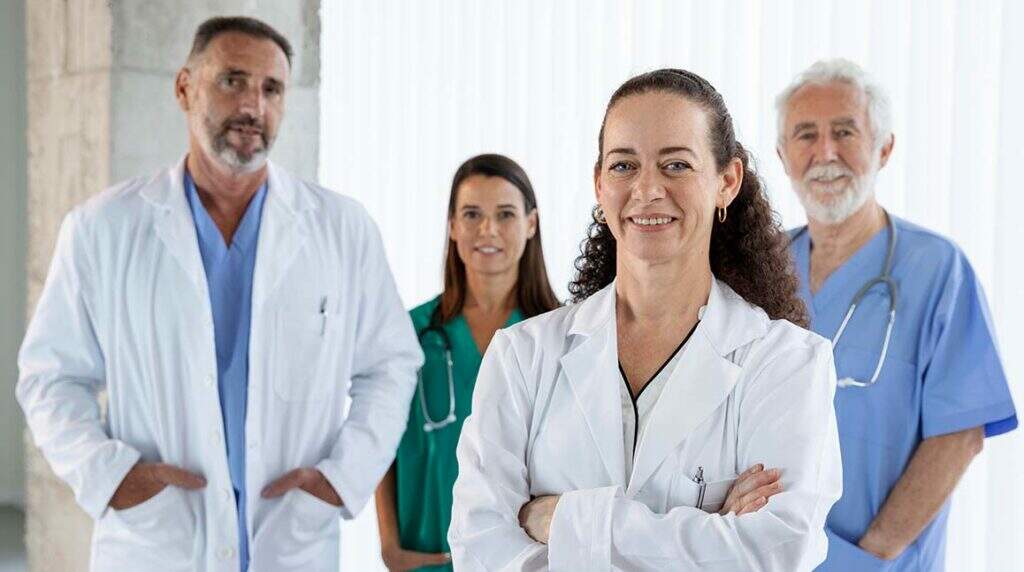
<point x="722" y="214"/>
<point x="598" y="215"/>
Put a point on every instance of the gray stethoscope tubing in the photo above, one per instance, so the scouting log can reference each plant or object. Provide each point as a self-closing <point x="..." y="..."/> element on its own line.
<point x="893" y="289"/>
<point x="429" y="424"/>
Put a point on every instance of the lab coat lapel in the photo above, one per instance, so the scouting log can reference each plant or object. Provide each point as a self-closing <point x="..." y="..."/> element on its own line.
<point x="701" y="381"/>
<point x="174" y="225"/>
<point x="591" y="367"/>
<point x="281" y="234"/>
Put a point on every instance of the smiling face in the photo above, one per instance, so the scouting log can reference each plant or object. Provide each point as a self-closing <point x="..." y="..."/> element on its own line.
<point x="233" y="94"/>
<point x="658" y="183"/>
<point x="490" y="225"/>
<point x="828" y="150"/>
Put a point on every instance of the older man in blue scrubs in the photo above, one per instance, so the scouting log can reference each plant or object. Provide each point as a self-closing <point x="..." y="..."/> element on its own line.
<point x="909" y="430"/>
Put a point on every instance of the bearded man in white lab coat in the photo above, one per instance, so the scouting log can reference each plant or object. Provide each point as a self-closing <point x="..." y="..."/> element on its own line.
<point x="256" y="356"/>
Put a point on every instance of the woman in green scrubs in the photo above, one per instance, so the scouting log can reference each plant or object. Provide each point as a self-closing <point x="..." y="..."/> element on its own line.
<point x="494" y="276"/>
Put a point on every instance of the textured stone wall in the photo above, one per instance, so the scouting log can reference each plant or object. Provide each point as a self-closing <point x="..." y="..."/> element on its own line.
<point x="101" y="109"/>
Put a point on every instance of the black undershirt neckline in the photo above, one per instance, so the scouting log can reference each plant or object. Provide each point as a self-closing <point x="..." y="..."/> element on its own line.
<point x="629" y="391"/>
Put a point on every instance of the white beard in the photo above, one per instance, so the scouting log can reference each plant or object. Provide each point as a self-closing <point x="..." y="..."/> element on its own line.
<point x="234" y="161"/>
<point x="217" y="146"/>
<point x="842" y="201"/>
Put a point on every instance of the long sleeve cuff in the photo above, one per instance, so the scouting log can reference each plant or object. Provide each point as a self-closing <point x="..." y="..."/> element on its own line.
<point x="352" y="502"/>
<point x="108" y="470"/>
<point x="581" y="532"/>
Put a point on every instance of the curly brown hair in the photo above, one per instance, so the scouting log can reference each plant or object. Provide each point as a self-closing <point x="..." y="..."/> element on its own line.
<point x="749" y="251"/>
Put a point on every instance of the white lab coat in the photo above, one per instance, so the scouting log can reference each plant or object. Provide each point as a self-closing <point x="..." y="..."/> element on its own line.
<point x="547" y="420"/>
<point x="126" y="308"/>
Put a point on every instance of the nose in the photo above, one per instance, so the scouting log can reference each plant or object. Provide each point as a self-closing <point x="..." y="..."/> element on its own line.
<point x="825" y="150"/>
<point x="488" y="227"/>
<point x="253" y="101"/>
<point x="647" y="186"/>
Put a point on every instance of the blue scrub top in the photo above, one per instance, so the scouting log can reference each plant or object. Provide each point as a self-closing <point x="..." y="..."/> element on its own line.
<point x="229" y="270"/>
<point x="942" y="375"/>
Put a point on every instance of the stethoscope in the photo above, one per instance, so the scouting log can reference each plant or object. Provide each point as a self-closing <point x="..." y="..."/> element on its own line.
<point x="430" y="425"/>
<point x="893" y="290"/>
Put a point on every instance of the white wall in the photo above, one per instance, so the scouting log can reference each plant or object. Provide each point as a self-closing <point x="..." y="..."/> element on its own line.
<point x="12" y="243"/>
<point x="411" y="89"/>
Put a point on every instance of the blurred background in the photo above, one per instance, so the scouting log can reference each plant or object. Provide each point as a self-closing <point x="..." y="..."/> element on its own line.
<point x="390" y="96"/>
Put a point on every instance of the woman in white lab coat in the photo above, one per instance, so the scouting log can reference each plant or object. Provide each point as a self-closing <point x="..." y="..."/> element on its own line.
<point x="629" y="431"/>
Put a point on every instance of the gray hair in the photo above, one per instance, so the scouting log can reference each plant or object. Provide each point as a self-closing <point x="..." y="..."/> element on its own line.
<point x="843" y="71"/>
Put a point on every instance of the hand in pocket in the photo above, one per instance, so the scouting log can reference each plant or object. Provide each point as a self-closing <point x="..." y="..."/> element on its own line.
<point x="145" y="480"/>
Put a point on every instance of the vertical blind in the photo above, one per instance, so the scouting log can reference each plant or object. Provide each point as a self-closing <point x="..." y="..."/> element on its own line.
<point x="411" y="89"/>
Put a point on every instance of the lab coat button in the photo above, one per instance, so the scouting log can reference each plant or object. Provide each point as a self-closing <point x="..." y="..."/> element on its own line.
<point x="226" y="552"/>
<point x="253" y="445"/>
<point x="210" y="379"/>
<point x="228" y="495"/>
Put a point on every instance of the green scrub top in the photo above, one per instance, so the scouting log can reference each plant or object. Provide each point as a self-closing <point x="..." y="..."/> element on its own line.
<point x="425" y="464"/>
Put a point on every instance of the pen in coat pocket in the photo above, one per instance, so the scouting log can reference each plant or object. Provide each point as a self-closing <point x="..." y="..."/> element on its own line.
<point x="702" y="487"/>
<point x="323" y="315"/>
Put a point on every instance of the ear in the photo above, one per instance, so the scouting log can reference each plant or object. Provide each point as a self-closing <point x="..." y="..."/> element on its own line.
<point x="732" y="180"/>
<point x="886" y="151"/>
<point x="597" y="183"/>
<point x="531" y="224"/>
<point x="451" y="228"/>
<point x="181" y="85"/>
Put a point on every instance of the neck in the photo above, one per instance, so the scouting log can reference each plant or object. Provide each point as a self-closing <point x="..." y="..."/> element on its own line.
<point x="489" y="293"/>
<point x="223" y="192"/>
<point x="660" y="293"/>
<point x="833" y="244"/>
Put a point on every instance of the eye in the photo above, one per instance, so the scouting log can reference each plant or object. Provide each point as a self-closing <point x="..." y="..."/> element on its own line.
<point x="507" y="215"/>
<point x="677" y="166"/>
<point x="272" y="89"/>
<point x="470" y="215"/>
<point x="620" y="167"/>
<point x="806" y="136"/>
<point x="230" y="82"/>
<point x="842" y="133"/>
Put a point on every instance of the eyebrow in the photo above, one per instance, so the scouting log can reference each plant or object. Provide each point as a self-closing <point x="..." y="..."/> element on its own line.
<point x="663" y="151"/>
<point x="501" y="206"/>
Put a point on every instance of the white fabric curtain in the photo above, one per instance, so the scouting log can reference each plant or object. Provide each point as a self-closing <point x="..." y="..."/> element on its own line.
<point x="411" y="89"/>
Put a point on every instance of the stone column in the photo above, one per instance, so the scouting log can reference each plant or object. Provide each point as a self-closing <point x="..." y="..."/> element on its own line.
<point x="101" y="109"/>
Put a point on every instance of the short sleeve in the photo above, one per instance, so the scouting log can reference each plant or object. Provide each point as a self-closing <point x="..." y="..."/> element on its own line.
<point x="964" y="384"/>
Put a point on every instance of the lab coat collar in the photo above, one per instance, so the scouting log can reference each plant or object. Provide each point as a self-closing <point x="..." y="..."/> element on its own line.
<point x="167" y="190"/>
<point x="701" y="380"/>
<point x="727" y="320"/>
<point x="280" y="236"/>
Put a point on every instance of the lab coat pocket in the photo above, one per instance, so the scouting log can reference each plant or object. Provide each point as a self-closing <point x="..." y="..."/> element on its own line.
<point x="159" y="533"/>
<point x="300" y="534"/>
<point x="708" y="496"/>
<point x="302" y="345"/>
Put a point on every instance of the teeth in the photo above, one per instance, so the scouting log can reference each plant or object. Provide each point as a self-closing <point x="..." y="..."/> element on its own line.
<point x="488" y="249"/>
<point x="651" y="221"/>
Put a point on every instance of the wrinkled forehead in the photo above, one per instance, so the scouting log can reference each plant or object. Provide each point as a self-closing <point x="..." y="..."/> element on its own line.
<point x="649" y="122"/>
<point x="248" y="54"/>
<point x="824" y="103"/>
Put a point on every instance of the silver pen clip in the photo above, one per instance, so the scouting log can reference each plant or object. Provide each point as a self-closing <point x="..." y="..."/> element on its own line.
<point x="702" y="487"/>
<point x="323" y="315"/>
